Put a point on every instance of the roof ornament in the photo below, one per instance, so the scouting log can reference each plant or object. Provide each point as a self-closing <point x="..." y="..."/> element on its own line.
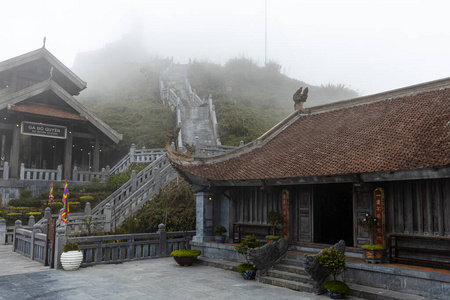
<point x="43" y="46"/>
<point x="299" y="98"/>
<point x="51" y="73"/>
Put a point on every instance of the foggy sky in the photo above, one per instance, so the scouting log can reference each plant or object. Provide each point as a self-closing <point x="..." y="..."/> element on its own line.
<point x="370" y="46"/>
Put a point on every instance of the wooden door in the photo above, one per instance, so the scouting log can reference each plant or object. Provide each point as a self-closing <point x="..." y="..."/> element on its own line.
<point x="301" y="216"/>
<point x="362" y="205"/>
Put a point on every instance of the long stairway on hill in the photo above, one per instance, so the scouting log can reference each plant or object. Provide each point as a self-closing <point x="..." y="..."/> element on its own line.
<point x="198" y="125"/>
<point x="195" y="117"/>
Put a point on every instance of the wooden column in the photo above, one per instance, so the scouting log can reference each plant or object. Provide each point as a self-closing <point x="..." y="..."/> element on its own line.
<point x="68" y="154"/>
<point x="96" y="162"/>
<point x="15" y="150"/>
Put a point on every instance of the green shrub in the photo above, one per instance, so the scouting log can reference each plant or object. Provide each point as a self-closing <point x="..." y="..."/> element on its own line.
<point x="96" y="180"/>
<point x="245" y="267"/>
<point x="250" y="241"/>
<point x="333" y="260"/>
<point x="85" y="199"/>
<point x="186" y="253"/>
<point x="25" y="194"/>
<point x="219" y="230"/>
<point x="337" y="287"/>
<point x="372" y="247"/>
<point x="25" y="203"/>
<point x="91" y="188"/>
<point x="117" y="180"/>
<point x="34" y="213"/>
<point x="74" y="206"/>
<point x="55" y="207"/>
<point x="71" y="246"/>
<point x="274" y="218"/>
<point x="20" y="208"/>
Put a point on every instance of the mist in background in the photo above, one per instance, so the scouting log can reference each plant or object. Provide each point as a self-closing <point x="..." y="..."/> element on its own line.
<point x="369" y="46"/>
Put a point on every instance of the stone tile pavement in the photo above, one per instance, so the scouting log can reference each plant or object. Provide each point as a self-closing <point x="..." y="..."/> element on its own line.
<point x="159" y="278"/>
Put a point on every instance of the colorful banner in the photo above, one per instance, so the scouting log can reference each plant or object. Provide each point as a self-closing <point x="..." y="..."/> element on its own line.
<point x="378" y="196"/>
<point x="50" y="194"/>
<point x="65" y="209"/>
<point x="285" y="211"/>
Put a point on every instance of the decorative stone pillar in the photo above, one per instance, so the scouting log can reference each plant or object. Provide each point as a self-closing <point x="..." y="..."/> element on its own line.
<point x="132" y="152"/>
<point x="60" y="240"/>
<point x="2" y="231"/>
<point x="162" y="240"/>
<point x="204" y="218"/>
<point x="108" y="218"/>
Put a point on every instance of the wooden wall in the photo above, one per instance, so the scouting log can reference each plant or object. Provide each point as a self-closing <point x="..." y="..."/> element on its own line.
<point x="251" y="204"/>
<point x="420" y="207"/>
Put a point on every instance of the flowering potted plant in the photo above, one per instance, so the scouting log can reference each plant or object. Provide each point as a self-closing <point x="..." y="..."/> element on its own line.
<point x="372" y="253"/>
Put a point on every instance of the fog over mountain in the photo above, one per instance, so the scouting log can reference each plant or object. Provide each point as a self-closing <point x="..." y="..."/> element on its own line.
<point x="368" y="46"/>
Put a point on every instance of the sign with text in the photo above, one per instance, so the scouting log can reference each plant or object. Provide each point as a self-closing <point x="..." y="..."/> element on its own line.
<point x="285" y="211"/>
<point x="378" y="196"/>
<point x="44" y="130"/>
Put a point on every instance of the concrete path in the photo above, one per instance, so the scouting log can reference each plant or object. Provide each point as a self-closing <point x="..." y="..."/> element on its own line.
<point x="159" y="278"/>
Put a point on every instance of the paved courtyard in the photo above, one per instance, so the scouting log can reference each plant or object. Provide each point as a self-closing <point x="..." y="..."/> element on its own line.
<point x="159" y="278"/>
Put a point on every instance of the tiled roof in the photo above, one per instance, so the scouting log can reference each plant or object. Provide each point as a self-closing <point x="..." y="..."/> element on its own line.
<point x="47" y="111"/>
<point x="405" y="133"/>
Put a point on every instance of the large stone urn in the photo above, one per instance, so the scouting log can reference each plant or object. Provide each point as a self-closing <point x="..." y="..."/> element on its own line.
<point x="71" y="260"/>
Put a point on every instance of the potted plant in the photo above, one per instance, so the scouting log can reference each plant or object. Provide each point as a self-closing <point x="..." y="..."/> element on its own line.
<point x="247" y="270"/>
<point x="273" y="218"/>
<point x="372" y="253"/>
<point x="219" y="233"/>
<point x="185" y="257"/>
<point x="335" y="262"/>
<point x="71" y="257"/>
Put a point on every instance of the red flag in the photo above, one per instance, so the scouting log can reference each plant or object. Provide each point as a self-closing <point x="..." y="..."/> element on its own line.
<point x="65" y="211"/>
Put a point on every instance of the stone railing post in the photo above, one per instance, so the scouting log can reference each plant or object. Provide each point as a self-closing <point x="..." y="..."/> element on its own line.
<point x="59" y="173"/>
<point x="22" y="171"/>
<point x="31" y="221"/>
<point x="36" y="229"/>
<point x="17" y="225"/>
<point x="157" y="177"/>
<point x="87" y="209"/>
<point x="6" y="170"/>
<point x="132" y="152"/>
<point x="104" y="175"/>
<point x="162" y="240"/>
<point x="60" y="240"/>
<point x="75" y="173"/>
<point x="3" y="232"/>
<point x="133" y="180"/>
<point x="48" y="213"/>
<point x="107" y="212"/>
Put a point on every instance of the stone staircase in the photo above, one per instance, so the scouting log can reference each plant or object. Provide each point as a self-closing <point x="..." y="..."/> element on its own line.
<point x="289" y="273"/>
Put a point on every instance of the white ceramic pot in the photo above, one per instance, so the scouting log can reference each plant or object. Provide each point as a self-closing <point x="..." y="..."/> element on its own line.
<point x="71" y="260"/>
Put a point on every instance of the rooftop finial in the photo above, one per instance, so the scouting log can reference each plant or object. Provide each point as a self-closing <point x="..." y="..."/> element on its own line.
<point x="43" y="46"/>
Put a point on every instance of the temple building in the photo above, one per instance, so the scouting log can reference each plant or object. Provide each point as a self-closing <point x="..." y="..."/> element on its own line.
<point x="325" y="167"/>
<point x="42" y="125"/>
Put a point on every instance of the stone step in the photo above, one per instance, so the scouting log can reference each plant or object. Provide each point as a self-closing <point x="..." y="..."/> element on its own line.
<point x="293" y="285"/>
<point x="367" y="292"/>
<point x="289" y="276"/>
<point x="295" y="255"/>
<point x="290" y="269"/>
<point x="291" y="262"/>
